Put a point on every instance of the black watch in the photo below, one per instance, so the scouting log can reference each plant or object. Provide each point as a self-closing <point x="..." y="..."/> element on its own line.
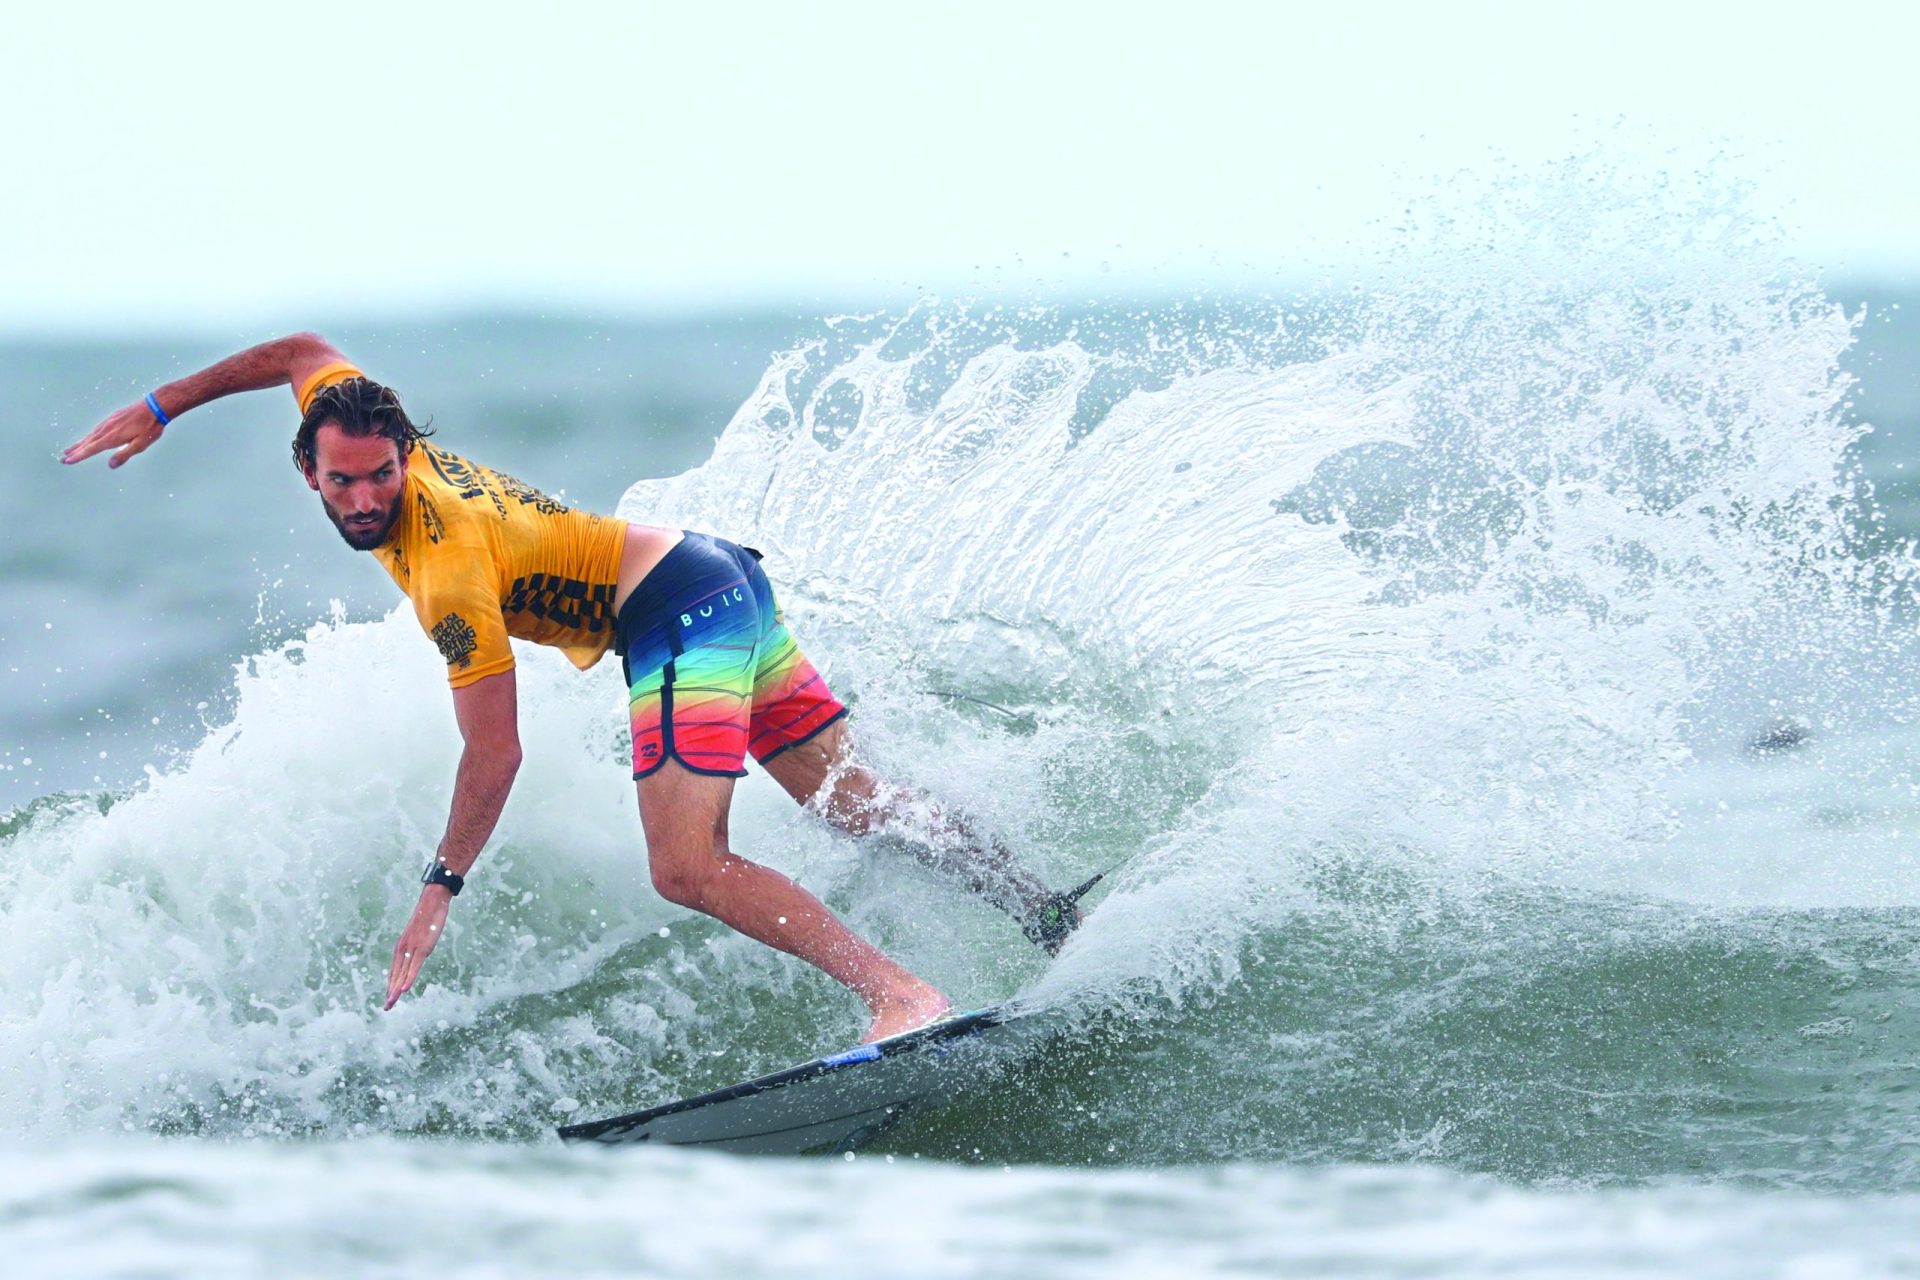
<point x="438" y="872"/>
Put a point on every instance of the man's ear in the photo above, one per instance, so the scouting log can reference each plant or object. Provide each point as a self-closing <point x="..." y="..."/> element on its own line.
<point x="313" y="477"/>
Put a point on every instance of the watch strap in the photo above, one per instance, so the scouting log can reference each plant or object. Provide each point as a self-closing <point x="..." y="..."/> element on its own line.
<point x="438" y="872"/>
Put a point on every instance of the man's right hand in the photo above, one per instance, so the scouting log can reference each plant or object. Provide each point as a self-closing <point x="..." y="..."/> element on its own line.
<point x="289" y="361"/>
<point x="130" y="430"/>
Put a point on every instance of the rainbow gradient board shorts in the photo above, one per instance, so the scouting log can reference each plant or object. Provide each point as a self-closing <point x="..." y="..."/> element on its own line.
<point x="712" y="671"/>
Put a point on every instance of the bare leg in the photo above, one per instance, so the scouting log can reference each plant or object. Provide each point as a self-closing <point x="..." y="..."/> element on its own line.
<point x="823" y="773"/>
<point x="685" y="818"/>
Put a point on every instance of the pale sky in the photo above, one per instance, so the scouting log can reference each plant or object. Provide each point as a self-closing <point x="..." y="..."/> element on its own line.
<point x="227" y="163"/>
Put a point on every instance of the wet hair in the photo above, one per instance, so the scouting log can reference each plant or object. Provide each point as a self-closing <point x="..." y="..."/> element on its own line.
<point x="359" y="407"/>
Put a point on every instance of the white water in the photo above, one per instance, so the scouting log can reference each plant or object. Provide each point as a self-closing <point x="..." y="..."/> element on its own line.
<point x="1478" y="588"/>
<point x="1481" y="653"/>
<point x="382" y="1209"/>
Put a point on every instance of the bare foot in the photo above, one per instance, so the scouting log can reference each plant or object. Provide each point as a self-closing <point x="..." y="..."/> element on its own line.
<point x="908" y="1009"/>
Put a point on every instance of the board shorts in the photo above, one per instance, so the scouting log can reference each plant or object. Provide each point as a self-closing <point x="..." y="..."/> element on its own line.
<point x="712" y="671"/>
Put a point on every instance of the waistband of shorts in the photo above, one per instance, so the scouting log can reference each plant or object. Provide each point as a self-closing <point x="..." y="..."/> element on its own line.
<point x="698" y="564"/>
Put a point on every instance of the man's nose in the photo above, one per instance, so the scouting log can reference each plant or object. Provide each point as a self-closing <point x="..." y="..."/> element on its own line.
<point x="364" y="500"/>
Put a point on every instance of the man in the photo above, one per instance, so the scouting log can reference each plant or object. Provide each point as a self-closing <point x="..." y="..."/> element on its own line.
<point x="712" y="671"/>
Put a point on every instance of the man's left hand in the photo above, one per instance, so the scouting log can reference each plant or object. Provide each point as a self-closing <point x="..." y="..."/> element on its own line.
<point x="417" y="941"/>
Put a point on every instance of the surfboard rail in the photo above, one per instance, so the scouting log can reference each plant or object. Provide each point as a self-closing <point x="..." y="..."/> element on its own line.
<point x="845" y="1099"/>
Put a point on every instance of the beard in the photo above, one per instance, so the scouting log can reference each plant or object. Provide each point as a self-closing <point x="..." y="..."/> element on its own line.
<point x="368" y="536"/>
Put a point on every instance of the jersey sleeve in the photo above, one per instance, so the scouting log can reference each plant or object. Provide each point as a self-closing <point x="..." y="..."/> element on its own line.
<point x="325" y="376"/>
<point x="460" y="612"/>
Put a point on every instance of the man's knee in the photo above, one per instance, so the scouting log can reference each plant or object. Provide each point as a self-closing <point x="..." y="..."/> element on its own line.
<point x="681" y="877"/>
<point x="856" y="805"/>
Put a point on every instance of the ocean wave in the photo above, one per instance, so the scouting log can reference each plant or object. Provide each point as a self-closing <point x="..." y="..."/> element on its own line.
<point x="1400" y="629"/>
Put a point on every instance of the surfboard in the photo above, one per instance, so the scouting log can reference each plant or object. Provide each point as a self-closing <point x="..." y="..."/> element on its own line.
<point x="833" y="1104"/>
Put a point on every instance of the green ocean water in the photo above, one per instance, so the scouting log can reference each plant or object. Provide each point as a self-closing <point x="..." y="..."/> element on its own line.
<point x="1422" y="673"/>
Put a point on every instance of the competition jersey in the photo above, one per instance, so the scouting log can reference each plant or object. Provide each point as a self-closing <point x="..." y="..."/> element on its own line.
<point x="484" y="556"/>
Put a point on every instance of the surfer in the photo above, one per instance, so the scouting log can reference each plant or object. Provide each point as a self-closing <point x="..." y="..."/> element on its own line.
<point x="712" y="672"/>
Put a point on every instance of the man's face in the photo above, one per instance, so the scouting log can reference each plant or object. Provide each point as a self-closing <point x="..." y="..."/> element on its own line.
<point x="360" y="480"/>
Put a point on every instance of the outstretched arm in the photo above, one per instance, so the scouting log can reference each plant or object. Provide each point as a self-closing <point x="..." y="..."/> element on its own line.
<point x="282" y="362"/>
<point x="488" y="712"/>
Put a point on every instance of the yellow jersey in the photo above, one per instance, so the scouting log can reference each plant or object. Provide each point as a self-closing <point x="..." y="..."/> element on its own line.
<point x="484" y="556"/>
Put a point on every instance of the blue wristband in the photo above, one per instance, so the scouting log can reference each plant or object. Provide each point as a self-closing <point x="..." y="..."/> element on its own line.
<point x="159" y="414"/>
